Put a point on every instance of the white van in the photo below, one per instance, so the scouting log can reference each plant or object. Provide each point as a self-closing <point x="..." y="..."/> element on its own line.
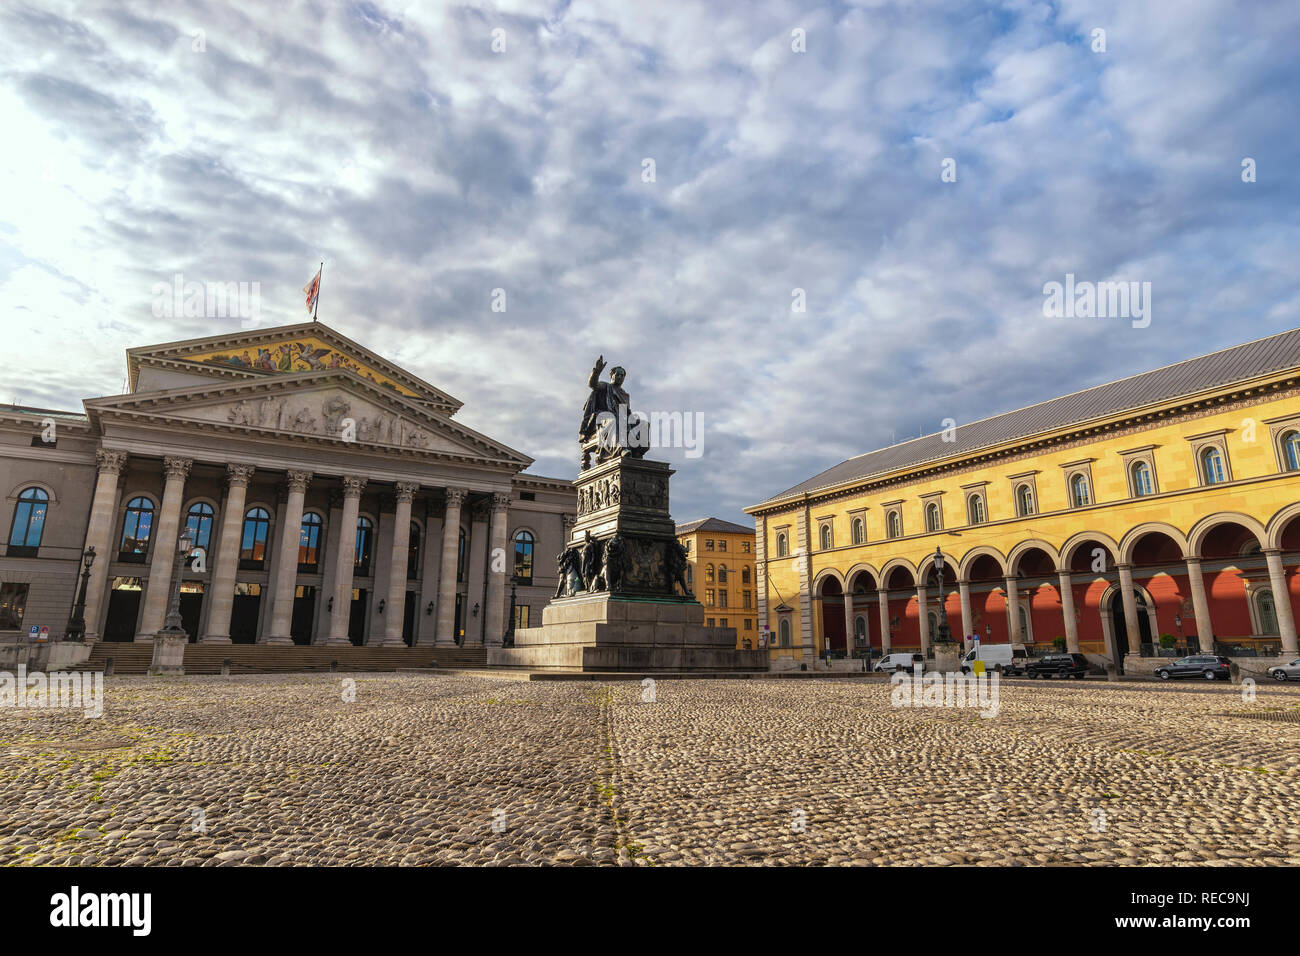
<point x="1008" y="658"/>
<point x="897" y="662"/>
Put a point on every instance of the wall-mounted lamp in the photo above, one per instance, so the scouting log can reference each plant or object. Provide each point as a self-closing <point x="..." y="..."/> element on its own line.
<point x="428" y="611"/>
<point x="381" y="605"/>
<point x="329" y="605"/>
<point x="475" y="612"/>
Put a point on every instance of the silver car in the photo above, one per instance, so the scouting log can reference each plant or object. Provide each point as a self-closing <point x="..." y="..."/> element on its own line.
<point x="1286" y="671"/>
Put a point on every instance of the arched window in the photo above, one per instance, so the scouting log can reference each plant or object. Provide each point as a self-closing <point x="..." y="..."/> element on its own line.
<point x="29" y="523"/>
<point x="1212" y="466"/>
<point x="524" y="556"/>
<point x="365" y="542"/>
<point x="199" y="522"/>
<point x="932" y="516"/>
<point x="826" y="537"/>
<point x="1142" y="483"/>
<point x="859" y="531"/>
<point x="860" y="630"/>
<point x="975" y="508"/>
<point x="744" y="574"/>
<point x="413" y="552"/>
<point x="708" y="574"/>
<point x="460" y="556"/>
<point x="782" y="545"/>
<point x="1079" y="491"/>
<point x="893" y="525"/>
<point x="783" y="631"/>
<point x="252" y="544"/>
<point x="1024" y="500"/>
<point x="1266" y="611"/>
<point x="136" y="530"/>
<point x="309" y="543"/>
<point x="1291" y="451"/>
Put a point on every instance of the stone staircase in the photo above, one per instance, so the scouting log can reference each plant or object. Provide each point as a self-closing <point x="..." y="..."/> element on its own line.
<point x="135" y="657"/>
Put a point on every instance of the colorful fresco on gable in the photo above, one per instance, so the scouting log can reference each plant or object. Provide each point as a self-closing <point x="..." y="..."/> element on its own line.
<point x="298" y="355"/>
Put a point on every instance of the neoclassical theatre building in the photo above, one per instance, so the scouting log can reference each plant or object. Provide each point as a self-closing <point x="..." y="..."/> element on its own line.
<point x="1161" y="504"/>
<point x="332" y="496"/>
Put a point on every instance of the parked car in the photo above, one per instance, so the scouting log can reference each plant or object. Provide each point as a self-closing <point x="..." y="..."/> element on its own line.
<point x="1058" y="665"/>
<point x="1198" y="665"/>
<point x="1285" y="671"/>
<point x="898" y="662"/>
<point x="1009" y="658"/>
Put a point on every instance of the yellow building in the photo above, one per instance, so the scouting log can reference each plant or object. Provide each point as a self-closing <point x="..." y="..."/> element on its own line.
<point x="1161" y="506"/>
<point x="720" y="570"/>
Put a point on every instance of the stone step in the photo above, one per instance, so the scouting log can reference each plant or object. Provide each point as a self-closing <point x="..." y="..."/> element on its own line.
<point x="135" y="658"/>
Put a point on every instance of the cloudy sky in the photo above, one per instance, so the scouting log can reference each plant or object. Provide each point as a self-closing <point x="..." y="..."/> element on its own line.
<point x="246" y="142"/>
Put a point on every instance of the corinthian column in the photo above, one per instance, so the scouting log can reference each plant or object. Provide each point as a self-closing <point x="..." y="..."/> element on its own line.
<point x="286" y="559"/>
<point x="447" y="571"/>
<point x="227" y="556"/>
<point x="498" y="560"/>
<point x="345" y="557"/>
<point x="163" y="542"/>
<point x="99" y="534"/>
<point x="395" y="605"/>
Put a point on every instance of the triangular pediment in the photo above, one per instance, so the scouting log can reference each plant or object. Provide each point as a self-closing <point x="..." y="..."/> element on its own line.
<point x="335" y="406"/>
<point x="257" y="354"/>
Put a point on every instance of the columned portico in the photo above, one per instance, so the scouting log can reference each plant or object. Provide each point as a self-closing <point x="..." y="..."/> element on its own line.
<point x="447" y="574"/>
<point x="1282" y="604"/>
<point x="345" y="560"/>
<point x="397" y="559"/>
<point x="227" y="555"/>
<point x="498" y="560"/>
<point x="286" y="559"/>
<point x="165" y="536"/>
<point x="99" y="534"/>
<point x="1068" y="616"/>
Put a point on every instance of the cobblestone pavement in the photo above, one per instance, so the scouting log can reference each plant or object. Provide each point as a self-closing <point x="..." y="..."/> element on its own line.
<point x="425" y="769"/>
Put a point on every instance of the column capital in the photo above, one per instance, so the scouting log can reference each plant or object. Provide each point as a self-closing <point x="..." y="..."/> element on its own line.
<point x="353" y="485"/>
<point x="107" y="460"/>
<point x="456" y="496"/>
<point x="297" y="480"/>
<point x="406" y="490"/>
<point x="177" y="467"/>
<point x="500" y="501"/>
<point x="238" y="475"/>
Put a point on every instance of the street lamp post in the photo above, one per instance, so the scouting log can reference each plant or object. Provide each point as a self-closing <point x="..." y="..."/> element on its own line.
<point x="508" y="639"/>
<point x="76" y="629"/>
<point x="943" y="606"/>
<point x="184" y="545"/>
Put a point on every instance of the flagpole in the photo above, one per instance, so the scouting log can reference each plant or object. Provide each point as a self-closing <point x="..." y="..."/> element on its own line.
<point x="320" y="278"/>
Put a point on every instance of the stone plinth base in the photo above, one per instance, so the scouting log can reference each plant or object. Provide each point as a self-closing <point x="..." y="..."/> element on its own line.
<point x="603" y="632"/>
<point x="168" y="653"/>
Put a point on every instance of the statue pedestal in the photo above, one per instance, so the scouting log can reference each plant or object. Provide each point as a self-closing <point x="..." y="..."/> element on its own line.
<point x="614" y="632"/>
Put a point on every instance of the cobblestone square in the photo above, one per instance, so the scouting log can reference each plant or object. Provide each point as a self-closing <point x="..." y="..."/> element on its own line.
<point x="424" y="769"/>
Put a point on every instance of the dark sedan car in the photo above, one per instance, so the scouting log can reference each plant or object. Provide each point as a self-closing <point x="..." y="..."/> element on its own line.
<point x="1058" y="665"/>
<point x="1209" y="668"/>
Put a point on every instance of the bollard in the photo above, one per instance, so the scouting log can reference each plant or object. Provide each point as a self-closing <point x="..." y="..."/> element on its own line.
<point x="334" y="667"/>
<point x="225" y="667"/>
<point x="108" y="666"/>
<point x="1111" y="673"/>
<point x="1234" y="672"/>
